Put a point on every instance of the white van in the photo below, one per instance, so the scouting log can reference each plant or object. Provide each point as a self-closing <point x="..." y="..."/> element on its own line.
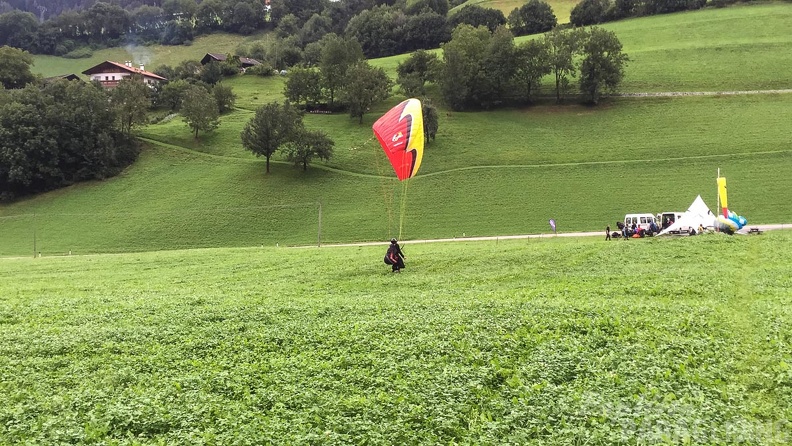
<point x="666" y="219"/>
<point x="642" y="220"/>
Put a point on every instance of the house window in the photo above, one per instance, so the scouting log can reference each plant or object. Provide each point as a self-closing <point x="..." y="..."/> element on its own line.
<point x="107" y="78"/>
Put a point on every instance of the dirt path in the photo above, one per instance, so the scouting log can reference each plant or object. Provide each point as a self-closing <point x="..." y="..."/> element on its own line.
<point x="743" y="231"/>
<point x="699" y="93"/>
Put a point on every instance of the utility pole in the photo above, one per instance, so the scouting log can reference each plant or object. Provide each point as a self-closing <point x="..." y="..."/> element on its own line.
<point x="319" y="240"/>
<point x="34" y="236"/>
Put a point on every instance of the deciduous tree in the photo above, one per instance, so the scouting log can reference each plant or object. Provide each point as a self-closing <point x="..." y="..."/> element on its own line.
<point x="18" y="29"/>
<point x="172" y="93"/>
<point x="563" y="46"/>
<point x="273" y="126"/>
<point x="15" y="67"/>
<point x="532" y="61"/>
<point x="211" y="73"/>
<point x="431" y="119"/>
<point x="533" y="17"/>
<point x="200" y="110"/>
<point x="303" y="85"/>
<point x="364" y="86"/>
<point x="603" y="64"/>
<point x="224" y="96"/>
<point x="476" y="16"/>
<point x="461" y="74"/>
<point x="498" y="65"/>
<point x="131" y="101"/>
<point x="414" y="72"/>
<point x="57" y="135"/>
<point x="589" y="12"/>
<point x="338" y="54"/>
<point x="307" y="145"/>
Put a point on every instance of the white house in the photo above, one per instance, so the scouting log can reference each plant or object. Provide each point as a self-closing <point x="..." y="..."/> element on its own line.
<point x="109" y="73"/>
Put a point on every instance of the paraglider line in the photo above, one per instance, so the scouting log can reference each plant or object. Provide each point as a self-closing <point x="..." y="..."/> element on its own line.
<point x="403" y="207"/>
<point x="386" y="197"/>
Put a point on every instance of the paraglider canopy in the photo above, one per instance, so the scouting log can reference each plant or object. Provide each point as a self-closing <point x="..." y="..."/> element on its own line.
<point x="400" y="132"/>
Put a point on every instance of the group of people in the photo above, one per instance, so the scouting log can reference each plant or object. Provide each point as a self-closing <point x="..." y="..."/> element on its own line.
<point x="637" y="231"/>
<point x="633" y="230"/>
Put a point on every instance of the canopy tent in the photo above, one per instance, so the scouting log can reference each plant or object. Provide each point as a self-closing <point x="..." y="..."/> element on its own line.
<point x="697" y="214"/>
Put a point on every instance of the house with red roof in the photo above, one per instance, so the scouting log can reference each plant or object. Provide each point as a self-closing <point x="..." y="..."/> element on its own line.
<point x="109" y="73"/>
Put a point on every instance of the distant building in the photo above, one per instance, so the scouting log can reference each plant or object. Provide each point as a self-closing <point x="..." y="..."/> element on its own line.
<point x="68" y="77"/>
<point x="109" y="73"/>
<point x="245" y="62"/>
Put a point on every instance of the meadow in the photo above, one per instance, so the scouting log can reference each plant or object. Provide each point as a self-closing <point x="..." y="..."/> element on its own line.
<point x="488" y="173"/>
<point x="736" y="48"/>
<point x="552" y="341"/>
<point x="743" y="47"/>
<point x="585" y="170"/>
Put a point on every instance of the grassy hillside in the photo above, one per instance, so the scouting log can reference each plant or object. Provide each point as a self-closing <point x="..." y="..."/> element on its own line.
<point x="488" y="173"/>
<point x="531" y="342"/>
<point x="735" y="48"/>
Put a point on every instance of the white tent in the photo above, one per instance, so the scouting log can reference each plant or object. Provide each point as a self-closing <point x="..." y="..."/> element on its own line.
<point x="697" y="214"/>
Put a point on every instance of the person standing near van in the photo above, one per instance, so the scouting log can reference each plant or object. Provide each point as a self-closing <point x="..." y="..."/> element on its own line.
<point x="607" y="233"/>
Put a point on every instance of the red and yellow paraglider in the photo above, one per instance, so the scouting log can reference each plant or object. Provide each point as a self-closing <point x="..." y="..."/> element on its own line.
<point x="400" y="132"/>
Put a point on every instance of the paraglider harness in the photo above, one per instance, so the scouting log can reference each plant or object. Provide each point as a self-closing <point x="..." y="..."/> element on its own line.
<point x="394" y="256"/>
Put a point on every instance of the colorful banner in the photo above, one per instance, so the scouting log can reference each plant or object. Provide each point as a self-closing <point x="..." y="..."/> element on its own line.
<point x="724" y="204"/>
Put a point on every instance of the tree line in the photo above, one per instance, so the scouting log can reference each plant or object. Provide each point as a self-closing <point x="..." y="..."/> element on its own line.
<point x="71" y="28"/>
<point x="483" y="69"/>
<point x="60" y="134"/>
<point x="592" y="12"/>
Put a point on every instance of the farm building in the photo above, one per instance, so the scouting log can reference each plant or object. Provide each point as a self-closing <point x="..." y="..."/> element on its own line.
<point x="245" y="62"/>
<point x="109" y="73"/>
<point x="68" y="77"/>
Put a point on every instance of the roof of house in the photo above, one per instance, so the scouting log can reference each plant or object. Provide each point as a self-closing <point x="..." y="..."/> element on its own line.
<point x="221" y="57"/>
<point x="68" y="77"/>
<point x="115" y="66"/>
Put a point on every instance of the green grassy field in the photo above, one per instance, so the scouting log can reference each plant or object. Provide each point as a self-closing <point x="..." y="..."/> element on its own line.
<point x="552" y="341"/>
<point x="581" y="167"/>
<point x="735" y="48"/>
<point x="488" y="173"/>
<point x="213" y="203"/>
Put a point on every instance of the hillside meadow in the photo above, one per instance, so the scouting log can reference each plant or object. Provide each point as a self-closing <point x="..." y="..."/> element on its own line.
<point x="743" y="47"/>
<point x="493" y="173"/>
<point x="488" y="173"/>
<point x="552" y="341"/>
